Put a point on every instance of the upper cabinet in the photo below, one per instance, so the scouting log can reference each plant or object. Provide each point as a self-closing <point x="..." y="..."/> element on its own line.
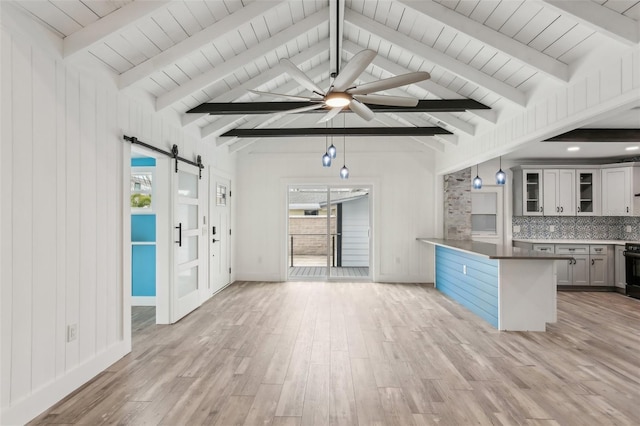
<point x="559" y="187"/>
<point x="527" y="187"/>
<point x="619" y="188"/>
<point x="588" y="192"/>
<point x="559" y="191"/>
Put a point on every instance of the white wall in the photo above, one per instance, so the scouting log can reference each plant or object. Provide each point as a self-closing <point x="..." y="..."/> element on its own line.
<point x="64" y="226"/>
<point x="403" y="203"/>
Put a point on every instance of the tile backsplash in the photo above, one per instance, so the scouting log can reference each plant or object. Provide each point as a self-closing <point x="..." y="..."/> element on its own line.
<point x="577" y="227"/>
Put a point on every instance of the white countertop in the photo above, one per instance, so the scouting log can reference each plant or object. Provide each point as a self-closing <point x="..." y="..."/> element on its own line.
<point x="494" y="251"/>
<point x="561" y="241"/>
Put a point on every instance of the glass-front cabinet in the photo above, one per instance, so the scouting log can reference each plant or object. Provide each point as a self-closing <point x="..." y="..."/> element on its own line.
<point x="588" y="192"/>
<point x="532" y="189"/>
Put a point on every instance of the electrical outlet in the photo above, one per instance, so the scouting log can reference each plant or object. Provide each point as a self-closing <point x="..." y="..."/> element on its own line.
<point x="552" y="228"/>
<point x="516" y="228"/>
<point x="628" y="228"/>
<point x="72" y="332"/>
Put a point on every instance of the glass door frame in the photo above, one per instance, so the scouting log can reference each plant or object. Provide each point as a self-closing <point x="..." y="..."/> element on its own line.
<point x="328" y="189"/>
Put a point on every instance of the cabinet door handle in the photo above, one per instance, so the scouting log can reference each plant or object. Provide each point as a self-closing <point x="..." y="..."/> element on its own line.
<point x="578" y="209"/>
<point x="627" y="209"/>
<point x="540" y="209"/>
<point x="561" y="209"/>
<point x="557" y="209"/>
<point x="593" y="261"/>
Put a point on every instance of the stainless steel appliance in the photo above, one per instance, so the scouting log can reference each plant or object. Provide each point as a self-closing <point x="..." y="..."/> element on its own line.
<point x="632" y="264"/>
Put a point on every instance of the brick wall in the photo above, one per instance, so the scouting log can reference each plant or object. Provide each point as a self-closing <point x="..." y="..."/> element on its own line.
<point x="457" y="205"/>
<point x="310" y="244"/>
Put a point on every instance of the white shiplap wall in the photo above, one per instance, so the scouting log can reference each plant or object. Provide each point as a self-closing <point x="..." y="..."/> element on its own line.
<point x="64" y="225"/>
<point x="598" y="92"/>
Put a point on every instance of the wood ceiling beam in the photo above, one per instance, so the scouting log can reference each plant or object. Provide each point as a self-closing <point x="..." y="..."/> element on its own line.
<point x="96" y="32"/>
<point x="427" y="85"/>
<point x="427" y="141"/>
<point x="601" y="19"/>
<point x="598" y="135"/>
<point x="248" y="56"/>
<point x="434" y="56"/>
<point x="224" y="124"/>
<point x="197" y="41"/>
<point x="349" y="131"/>
<point x="442" y="118"/>
<point x="486" y="35"/>
<point x="428" y="105"/>
<point x="257" y="81"/>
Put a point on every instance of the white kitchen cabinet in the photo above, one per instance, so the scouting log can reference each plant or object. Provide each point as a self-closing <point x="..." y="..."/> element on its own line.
<point x="620" y="275"/>
<point x="619" y="186"/>
<point x="559" y="190"/>
<point x="576" y="271"/>
<point x="588" y="201"/>
<point x="598" y="270"/>
<point x="532" y="187"/>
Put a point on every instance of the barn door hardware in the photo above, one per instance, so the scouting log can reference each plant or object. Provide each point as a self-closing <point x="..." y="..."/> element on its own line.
<point x="173" y="154"/>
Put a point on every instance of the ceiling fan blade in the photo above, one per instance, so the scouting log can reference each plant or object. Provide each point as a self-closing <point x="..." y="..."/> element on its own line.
<point x="303" y="109"/>
<point x="281" y="95"/>
<point x="361" y="109"/>
<point x="400" y="101"/>
<point x="332" y="113"/>
<point x="352" y="70"/>
<point x="390" y="83"/>
<point x="300" y="77"/>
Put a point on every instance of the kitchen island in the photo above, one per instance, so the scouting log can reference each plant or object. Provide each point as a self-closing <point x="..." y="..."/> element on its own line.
<point x="509" y="287"/>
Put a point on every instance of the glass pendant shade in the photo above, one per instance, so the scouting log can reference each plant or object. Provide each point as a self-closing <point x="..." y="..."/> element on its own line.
<point x="477" y="182"/>
<point x="326" y="160"/>
<point x="332" y="151"/>
<point x="344" y="173"/>
<point x="501" y="177"/>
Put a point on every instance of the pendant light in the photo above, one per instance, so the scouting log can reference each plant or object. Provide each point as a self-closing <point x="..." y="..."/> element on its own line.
<point x="344" y="172"/>
<point x="332" y="151"/>
<point x="501" y="177"/>
<point x="477" y="182"/>
<point x="326" y="158"/>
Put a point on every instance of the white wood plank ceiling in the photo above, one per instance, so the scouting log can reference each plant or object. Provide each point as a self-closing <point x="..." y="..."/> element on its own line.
<point x="185" y="53"/>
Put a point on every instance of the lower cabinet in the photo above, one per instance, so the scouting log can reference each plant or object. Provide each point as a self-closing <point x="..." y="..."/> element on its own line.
<point x="576" y="271"/>
<point x="592" y="265"/>
<point x="620" y="279"/>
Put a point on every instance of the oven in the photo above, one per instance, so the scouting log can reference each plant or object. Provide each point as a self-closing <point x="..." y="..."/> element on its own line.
<point x="632" y="267"/>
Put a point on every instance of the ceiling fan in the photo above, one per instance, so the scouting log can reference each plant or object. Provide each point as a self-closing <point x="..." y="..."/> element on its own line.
<point x="343" y="92"/>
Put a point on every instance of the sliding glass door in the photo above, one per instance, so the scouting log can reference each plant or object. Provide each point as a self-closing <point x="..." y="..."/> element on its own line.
<point x="328" y="232"/>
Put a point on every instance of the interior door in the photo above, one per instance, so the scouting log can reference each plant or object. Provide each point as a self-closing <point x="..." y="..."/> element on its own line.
<point x="187" y="247"/>
<point x="220" y="235"/>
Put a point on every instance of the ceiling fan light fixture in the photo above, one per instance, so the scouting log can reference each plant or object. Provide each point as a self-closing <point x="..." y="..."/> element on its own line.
<point x="337" y="99"/>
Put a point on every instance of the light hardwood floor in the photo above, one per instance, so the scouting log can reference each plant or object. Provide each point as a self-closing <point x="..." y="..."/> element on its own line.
<point x="370" y="354"/>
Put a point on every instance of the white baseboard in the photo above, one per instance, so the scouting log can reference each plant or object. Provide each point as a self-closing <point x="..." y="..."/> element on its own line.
<point x="28" y="408"/>
<point x="143" y="301"/>
<point x="257" y="276"/>
<point x="393" y="278"/>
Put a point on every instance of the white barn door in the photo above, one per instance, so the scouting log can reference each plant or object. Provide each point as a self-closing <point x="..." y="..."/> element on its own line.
<point x="187" y="248"/>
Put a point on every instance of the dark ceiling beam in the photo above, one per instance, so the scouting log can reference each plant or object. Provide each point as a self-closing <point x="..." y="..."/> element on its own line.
<point x="438" y="105"/>
<point x="349" y="131"/>
<point x="598" y="135"/>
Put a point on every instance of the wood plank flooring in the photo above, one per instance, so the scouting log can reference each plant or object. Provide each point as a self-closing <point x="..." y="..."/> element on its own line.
<point x="317" y="353"/>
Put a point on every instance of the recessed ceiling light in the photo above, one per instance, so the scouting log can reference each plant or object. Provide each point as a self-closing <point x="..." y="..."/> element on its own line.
<point x="631" y="148"/>
<point x="573" y="148"/>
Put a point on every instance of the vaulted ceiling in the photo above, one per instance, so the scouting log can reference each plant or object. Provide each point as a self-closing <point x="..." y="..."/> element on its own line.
<point x="185" y="53"/>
